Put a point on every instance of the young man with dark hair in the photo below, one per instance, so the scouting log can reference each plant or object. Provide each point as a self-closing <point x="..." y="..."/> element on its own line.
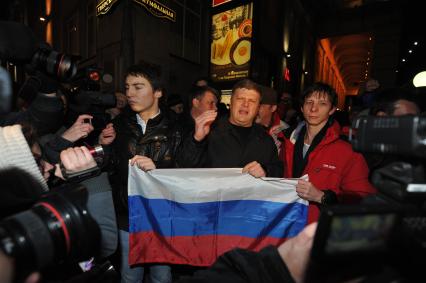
<point x="234" y="141"/>
<point x="336" y="173"/>
<point x="149" y="139"/>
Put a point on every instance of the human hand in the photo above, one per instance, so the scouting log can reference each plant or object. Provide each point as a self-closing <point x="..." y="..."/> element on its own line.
<point x="107" y="135"/>
<point x="75" y="159"/>
<point x="79" y="129"/>
<point x="307" y="191"/>
<point x="295" y="252"/>
<point x="144" y="163"/>
<point x="7" y="266"/>
<point x="203" y="123"/>
<point x="255" y="169"/>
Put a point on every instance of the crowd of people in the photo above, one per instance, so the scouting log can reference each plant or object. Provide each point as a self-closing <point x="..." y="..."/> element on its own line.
<point x="263" y="133"/>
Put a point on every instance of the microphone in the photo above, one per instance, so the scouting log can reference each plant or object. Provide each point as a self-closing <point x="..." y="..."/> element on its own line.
<point x="18" y="43"/>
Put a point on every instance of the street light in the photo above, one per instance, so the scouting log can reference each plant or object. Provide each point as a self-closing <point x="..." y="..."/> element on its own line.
<point x="420" y="79"/>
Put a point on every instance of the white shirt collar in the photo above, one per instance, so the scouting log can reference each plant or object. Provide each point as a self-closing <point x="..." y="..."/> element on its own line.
<point x="142" y="123"/>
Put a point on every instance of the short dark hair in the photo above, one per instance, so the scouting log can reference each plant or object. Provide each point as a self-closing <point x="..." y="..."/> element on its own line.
<point x="206" y="79"/>
<point x="321" y="88"/>
<point x="247" y="84"/>
<point x="147" y="72"/>
<point x="198" y="92"/>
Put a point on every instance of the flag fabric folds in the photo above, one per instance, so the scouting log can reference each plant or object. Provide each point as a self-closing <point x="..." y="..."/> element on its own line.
<point x="192" y="216"/>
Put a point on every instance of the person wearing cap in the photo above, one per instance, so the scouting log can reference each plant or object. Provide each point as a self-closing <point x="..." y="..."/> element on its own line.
<point x="269" y="118"/>
<point x="234" y="141"/>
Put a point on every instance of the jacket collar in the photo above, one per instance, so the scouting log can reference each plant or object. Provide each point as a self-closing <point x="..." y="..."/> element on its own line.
<point x="332" y="134"/>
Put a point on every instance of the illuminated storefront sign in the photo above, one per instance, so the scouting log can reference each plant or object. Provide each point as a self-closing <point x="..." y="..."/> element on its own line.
<point x="154" y="7"/>
<point x="231" y="44"/>
<point x="103" y="6"/>
<point x="219" y="2"/>
<point x="157" y="9"/>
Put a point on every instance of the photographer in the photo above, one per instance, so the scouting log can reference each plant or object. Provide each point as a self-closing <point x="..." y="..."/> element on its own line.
<point x="17" y="154"/>
<point x="41" y="106"/>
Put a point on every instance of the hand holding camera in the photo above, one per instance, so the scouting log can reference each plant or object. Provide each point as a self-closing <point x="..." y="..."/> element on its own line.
<point x="78" y="163"/>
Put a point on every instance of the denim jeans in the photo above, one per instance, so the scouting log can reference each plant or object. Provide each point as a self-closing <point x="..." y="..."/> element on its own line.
<point x="158" y="273"/>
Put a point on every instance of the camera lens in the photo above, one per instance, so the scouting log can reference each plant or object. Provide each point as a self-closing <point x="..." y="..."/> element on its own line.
<point x="56" y="64"/>
<point x="57" y="229"/>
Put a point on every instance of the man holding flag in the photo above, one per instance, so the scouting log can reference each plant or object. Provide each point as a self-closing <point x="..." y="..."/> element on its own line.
<point x="191" y="216"/>
<point x="234" y="141"/>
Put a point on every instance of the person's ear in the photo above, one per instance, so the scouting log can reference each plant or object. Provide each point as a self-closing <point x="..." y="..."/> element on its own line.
<point x="195" y="102"/>
<point x="158" y="93"/>
<point x="273" y="108"/>
<point x="331" y="112"/>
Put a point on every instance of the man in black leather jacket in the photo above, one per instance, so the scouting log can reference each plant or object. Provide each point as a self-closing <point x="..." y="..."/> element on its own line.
<point x="234" y="141"/>
<point x="146" y="137"/>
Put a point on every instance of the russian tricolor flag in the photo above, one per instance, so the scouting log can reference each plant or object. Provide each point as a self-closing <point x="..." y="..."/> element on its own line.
<point x="192" y="216"/>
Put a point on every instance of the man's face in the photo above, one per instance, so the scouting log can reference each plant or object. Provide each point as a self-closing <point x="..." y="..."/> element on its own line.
<point x="140" y="95"/>
<point x="264" y="116"/>
<point x="317" y="108"/>
<point x="244" y="106"/>
<point x="405" y="107"/>
<point x="208" y="101"/>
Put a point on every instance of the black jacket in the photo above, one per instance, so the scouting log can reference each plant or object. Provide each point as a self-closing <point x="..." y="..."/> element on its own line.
<point x="222" y="148"/>
<point x="160" y="142"/>
<point x="243" y="266"/>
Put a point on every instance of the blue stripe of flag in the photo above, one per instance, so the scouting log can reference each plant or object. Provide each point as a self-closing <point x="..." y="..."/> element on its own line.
<point x="246" y="218"/>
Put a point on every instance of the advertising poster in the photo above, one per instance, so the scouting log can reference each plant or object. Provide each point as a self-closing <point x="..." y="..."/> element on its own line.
<point x="231" y="44"/>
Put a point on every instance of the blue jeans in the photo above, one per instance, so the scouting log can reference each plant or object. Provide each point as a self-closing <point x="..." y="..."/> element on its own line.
<point x="158" y="273"/>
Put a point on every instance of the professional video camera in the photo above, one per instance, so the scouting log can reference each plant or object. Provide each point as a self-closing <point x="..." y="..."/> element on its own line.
<point x="55" y="230"/>
<point x="384" y="238"/>
<point x="19" y="45"/>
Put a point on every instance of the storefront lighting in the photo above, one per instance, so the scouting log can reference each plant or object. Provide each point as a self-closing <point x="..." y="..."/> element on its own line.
<point x="420" y="79"/>
<point x="410" y="51"/>
<point x="403" y="60"/>
<point x="288" y="55"/>
<point x="415" y="43"/>
<point x="45" y="18"/>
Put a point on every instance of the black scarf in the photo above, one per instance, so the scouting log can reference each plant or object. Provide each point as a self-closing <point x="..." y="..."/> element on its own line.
<point x="299" y="162"/>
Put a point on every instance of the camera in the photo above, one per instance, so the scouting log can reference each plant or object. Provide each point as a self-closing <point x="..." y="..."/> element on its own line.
<point x="58" y="65"/>
<point x="57" y="229"/>
<point x="72" y="177"/>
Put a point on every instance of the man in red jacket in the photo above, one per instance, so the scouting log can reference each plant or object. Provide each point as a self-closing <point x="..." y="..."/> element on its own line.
<point x="336" y="173"/>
